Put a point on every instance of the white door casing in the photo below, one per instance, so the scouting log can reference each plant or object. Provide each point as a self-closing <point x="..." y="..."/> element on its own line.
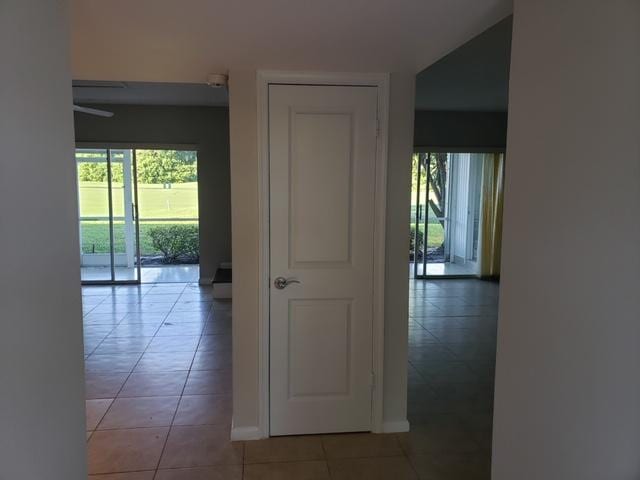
<point x="322" y="183"/>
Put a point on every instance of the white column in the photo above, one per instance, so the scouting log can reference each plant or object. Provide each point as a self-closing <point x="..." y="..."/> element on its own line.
<point x="129" y="225"/>
<point x="42" y="424"/>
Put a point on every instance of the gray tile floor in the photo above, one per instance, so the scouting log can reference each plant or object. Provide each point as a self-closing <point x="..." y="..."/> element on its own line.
<point x="452" y="342"/>
<point x="158" y="373"/>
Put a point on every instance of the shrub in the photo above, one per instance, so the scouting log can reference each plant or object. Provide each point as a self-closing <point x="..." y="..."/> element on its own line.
<point x="178" y="243"/>
<point x="412" y="243"/>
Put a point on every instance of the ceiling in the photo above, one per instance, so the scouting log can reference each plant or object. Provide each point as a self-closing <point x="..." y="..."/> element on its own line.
<point x="146" y="93"/>
<point x="181" y="41"/>
<point x="474" y="77"/>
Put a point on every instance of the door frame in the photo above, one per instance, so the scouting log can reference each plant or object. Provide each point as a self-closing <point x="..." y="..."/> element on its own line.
<point x="134" y="195"/>
<point x="449" y="149"/>
<point x="381" y="82"/>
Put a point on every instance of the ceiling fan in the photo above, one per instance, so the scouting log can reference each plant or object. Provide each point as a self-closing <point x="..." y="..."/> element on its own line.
<point x="92" y="111"/>
<point x="81" y="84"/>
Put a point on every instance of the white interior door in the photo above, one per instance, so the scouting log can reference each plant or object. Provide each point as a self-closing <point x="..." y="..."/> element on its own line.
<point x="322" y="154"/>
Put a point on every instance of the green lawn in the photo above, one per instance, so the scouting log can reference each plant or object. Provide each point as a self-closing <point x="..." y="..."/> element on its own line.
<point x="95" y="236"/>
<point x="435" y="235"/>
<point x="154" y="202"/>
<point x="436" y="232"/>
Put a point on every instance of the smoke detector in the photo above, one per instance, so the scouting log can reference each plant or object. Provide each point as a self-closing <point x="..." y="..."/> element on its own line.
<point x="217" y="80"/>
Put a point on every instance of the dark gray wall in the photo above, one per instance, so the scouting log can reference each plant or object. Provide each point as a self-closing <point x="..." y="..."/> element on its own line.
<point x="205" y="127"/>
<point x="460" y="129"/>
<point x="472" y="78"/>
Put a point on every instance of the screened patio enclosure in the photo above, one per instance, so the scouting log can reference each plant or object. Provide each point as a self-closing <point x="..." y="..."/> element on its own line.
<point x="446" y="213"/>
<point x="107" y="204"/>
<point x="138" y="215"/>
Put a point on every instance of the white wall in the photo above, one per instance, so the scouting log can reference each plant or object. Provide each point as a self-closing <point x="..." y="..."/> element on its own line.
<point x="401" y="98"/>
<point x="42" y="427"/>
<point x="245" y="253"/>
<point x="567" y="385"/>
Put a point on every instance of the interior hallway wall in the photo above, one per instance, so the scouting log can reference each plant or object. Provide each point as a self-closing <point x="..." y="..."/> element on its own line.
<point x="42" y="424"/>
<point x="206" y="127"/>
<point x="396" y="295"/>
<point x="245" y="232"/>
<point x="567" y="402"/>
<point x="245" y="224"/>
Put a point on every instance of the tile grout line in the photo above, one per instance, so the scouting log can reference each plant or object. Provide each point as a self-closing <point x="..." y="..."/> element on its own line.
<point x="476" y="440"/>
<point x="119" y="321"/>
<point x="128" y="376"/>
<point x="133" y="369"/>
<point x="164" y="446"/>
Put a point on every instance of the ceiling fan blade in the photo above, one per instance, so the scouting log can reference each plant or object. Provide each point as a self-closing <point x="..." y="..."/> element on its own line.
<point x="92" y="111"/>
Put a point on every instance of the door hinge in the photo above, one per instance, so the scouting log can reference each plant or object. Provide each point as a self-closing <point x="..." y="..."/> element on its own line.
<point x="377" y="127"/>
<point x="373" y="380"/>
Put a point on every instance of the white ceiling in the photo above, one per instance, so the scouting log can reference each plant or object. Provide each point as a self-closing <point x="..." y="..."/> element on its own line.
<point x="184" y="40"/>
<point x="474" y="77"/>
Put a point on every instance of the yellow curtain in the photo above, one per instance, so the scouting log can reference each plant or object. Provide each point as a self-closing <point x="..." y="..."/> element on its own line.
<point x="492" y="201"/>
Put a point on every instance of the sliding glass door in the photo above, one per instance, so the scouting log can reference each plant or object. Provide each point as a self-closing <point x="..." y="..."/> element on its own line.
<point x="445" y="214"/>
<point x="108" y="223"/>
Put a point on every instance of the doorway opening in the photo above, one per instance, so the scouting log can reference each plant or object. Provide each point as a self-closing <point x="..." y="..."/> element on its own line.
<point x="138" y="215"/>
<point x="457" y="197"/>
<point x="446" y="216"/>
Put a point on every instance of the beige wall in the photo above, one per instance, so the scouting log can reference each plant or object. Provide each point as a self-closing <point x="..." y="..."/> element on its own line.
<point x="207" y="128"/>
<point x="245" y="233"/>
<point x="245" y="240"/>
<point x="42" y="425"/>
<point x="396" y="295"/>
<point x="567" y="402"/>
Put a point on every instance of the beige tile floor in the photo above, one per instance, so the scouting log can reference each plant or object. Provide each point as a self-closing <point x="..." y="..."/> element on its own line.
<point x="158" y="373"/>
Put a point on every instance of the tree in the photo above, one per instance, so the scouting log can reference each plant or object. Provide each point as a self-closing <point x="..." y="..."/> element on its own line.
<point x="437" y="176"/>
<point x="154" y="166"/>
<point x="434" y="167"/>
<point x="166" y="166"/>
<point x="97" y="172"/>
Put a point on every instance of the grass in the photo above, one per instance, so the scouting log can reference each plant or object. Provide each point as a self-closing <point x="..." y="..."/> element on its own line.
<point x="95" y="236"/>
<point x="435" y="233"/>
<point x="154" y="203"/>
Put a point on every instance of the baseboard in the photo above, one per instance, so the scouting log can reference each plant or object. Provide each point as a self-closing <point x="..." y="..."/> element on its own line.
<point x="205" y="281"/>
<point x="395" y="427"/>
<point x="245" y="433"/>
<point x="222" y="290"/>
<point x="254" y="433"/>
